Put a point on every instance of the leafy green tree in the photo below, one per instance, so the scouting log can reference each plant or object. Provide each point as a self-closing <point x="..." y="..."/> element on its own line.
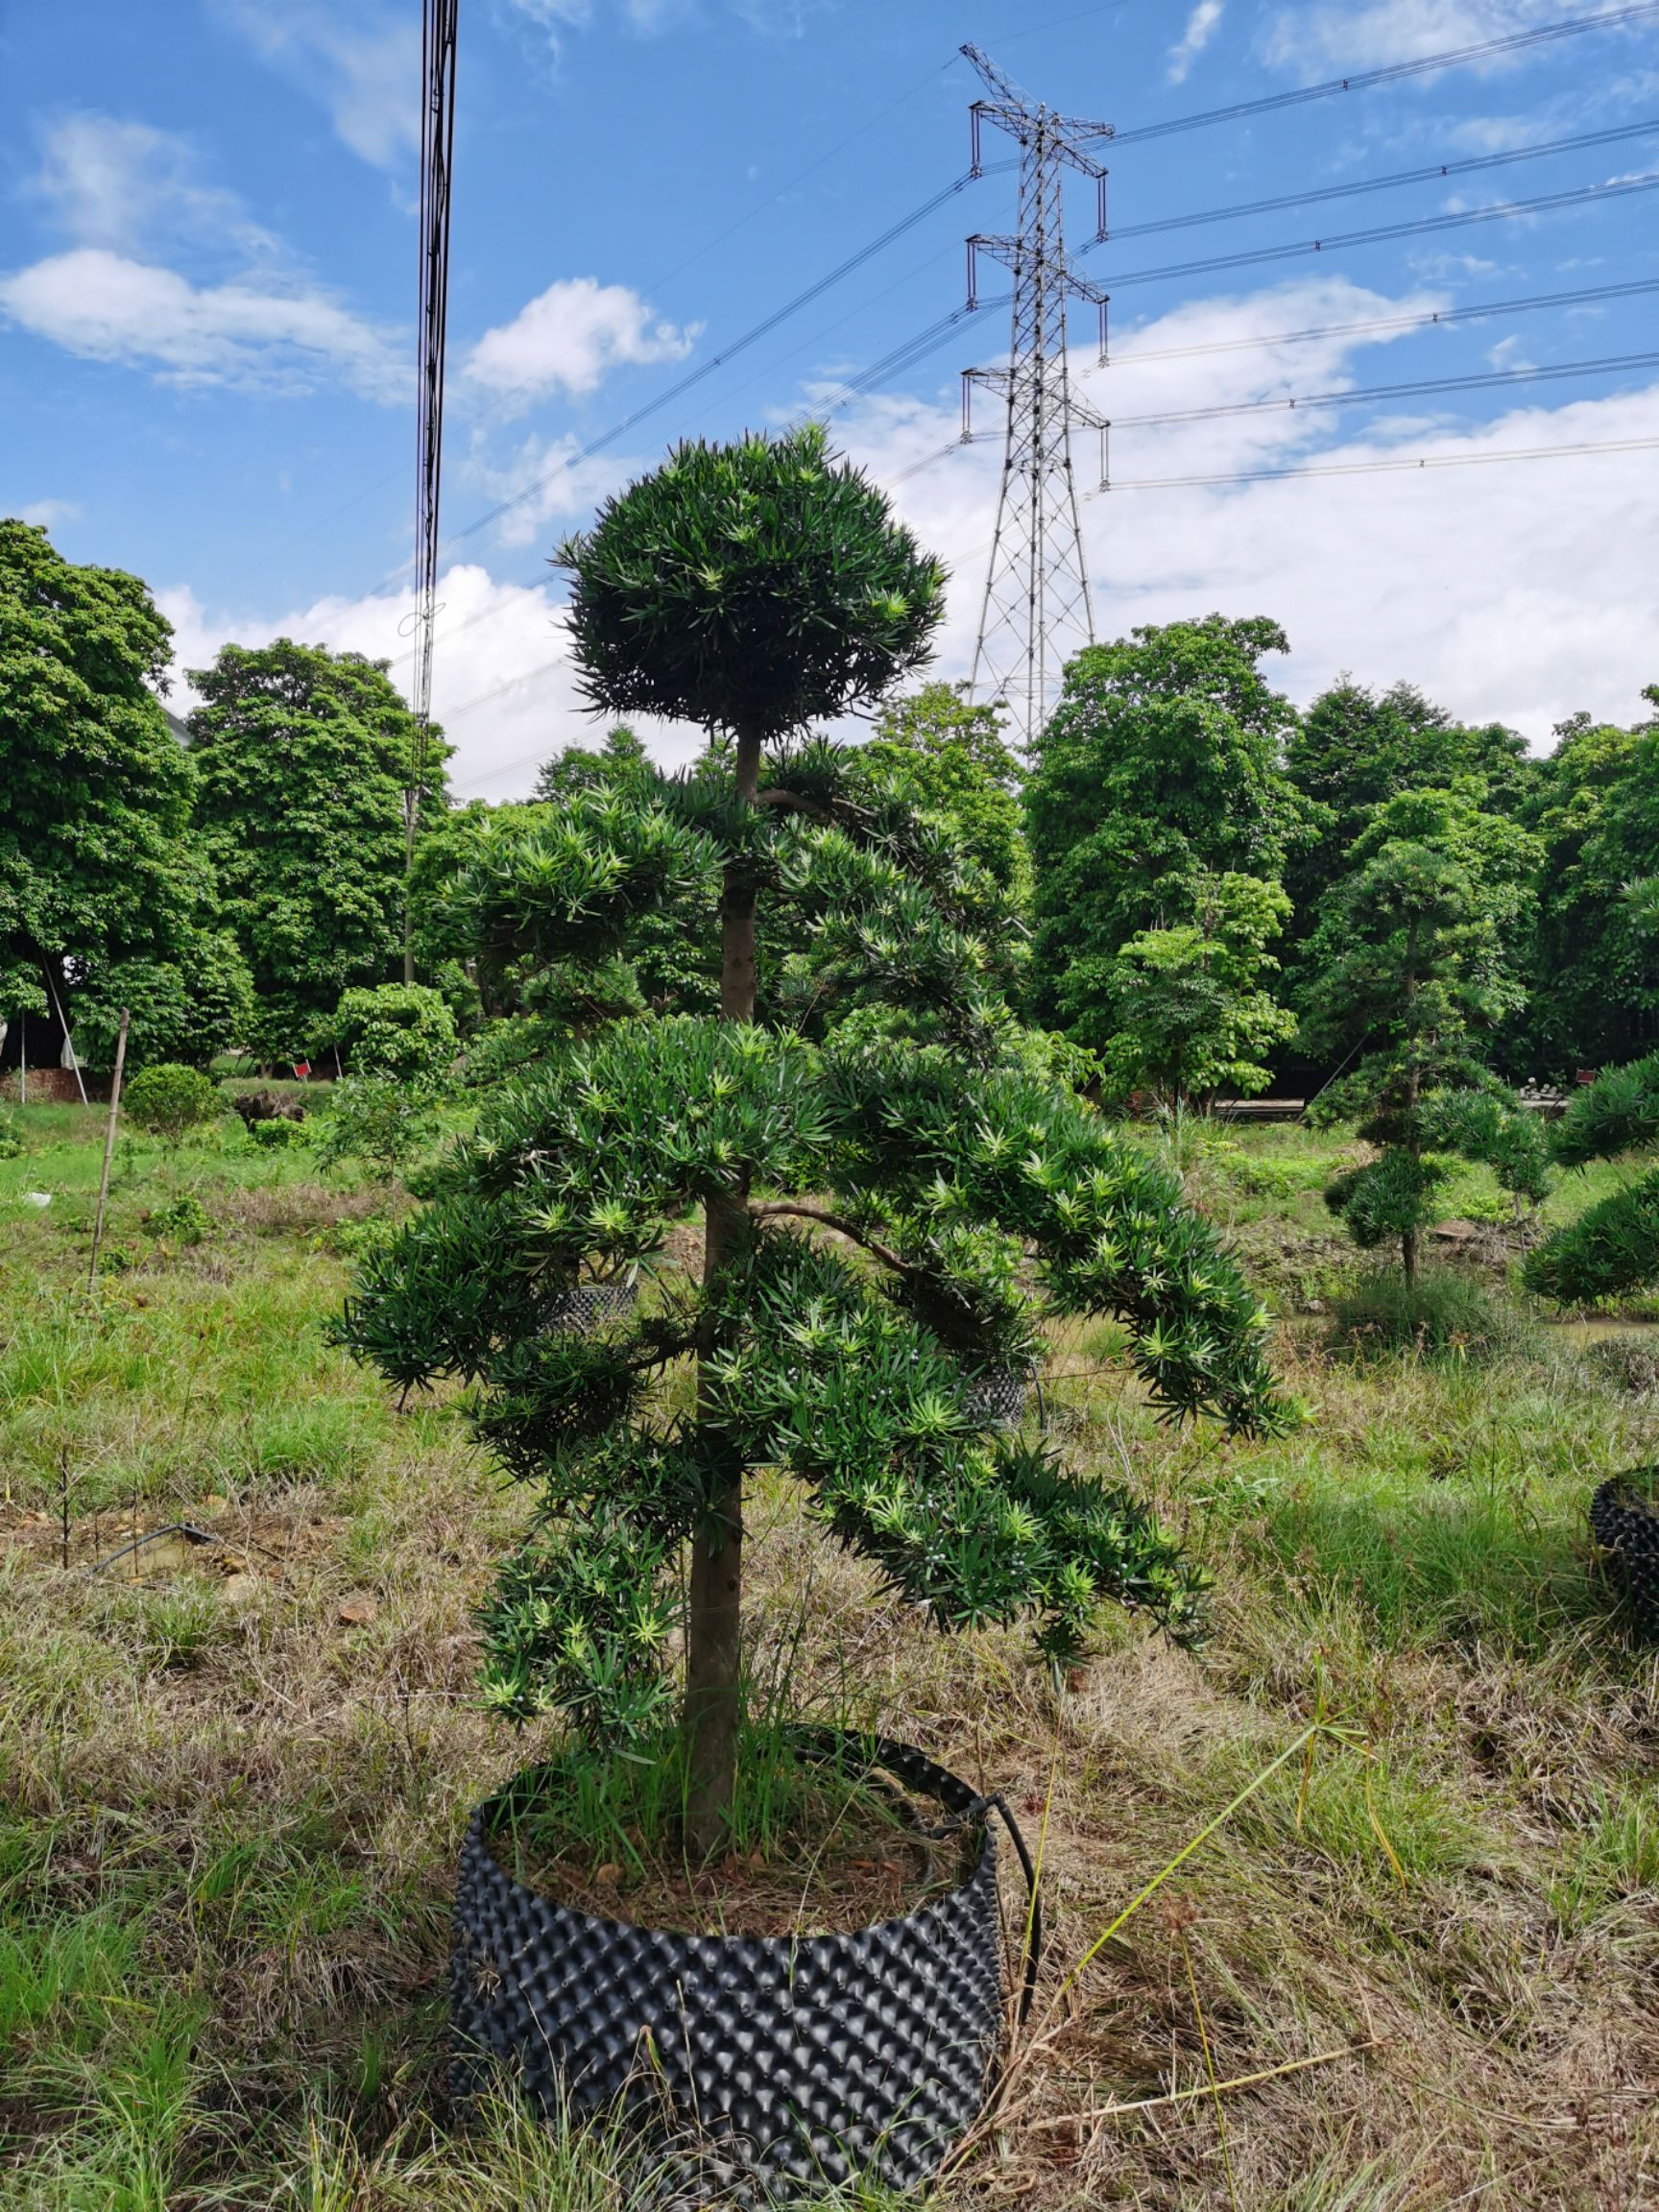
<point x="950" y="760"/>
<point x="103" y="885"/>
<point x="1411" y="969"/>
<point x="1595" y="961"/>
<point x="1356" y="747"/>
<point x="1158" y="767"/>
<point x="1183" y="1012"/>
<point x="620" y="762"/>
<point x="303" y="758"/>
<point x="753" y="589"/>
<point x="169" y="1100"/>
<point x="404" y="1032"/>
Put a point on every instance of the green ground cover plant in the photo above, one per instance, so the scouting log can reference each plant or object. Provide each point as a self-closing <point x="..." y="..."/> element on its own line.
<point x="231" y="1790"/>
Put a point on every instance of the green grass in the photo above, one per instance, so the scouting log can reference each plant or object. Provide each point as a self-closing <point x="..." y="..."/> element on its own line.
<point x="231" y="1801"/>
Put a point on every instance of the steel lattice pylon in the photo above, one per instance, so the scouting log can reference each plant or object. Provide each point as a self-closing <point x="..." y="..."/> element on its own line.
<point x="1036" y="611"/>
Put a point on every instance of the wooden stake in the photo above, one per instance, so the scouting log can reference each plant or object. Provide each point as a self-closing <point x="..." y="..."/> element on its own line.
<point x="109" y="1146"/>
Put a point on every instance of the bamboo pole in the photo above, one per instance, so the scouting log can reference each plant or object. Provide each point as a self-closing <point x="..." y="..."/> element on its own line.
<point x="109" y="1146"/>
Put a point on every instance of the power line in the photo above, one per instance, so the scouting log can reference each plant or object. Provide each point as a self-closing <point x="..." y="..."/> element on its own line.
<point x="1502" y="212"/>
<point x="738" y="346"/>
<point x="1431" y="319"/>
<point x="438" y="27"/>
<point x="1433" y="173"/>
<point x="1395" y="72"/>
<point x="1424" y="387"/>
<point x="1405" y="466"/>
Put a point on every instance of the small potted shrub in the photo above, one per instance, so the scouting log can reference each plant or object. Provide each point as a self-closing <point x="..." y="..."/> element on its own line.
<point x="872" y="1202"/>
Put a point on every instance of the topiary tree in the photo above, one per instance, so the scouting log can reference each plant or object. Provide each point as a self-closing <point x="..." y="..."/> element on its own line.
<point x="169" y="1101"/>
<point x="867" y="1196"/>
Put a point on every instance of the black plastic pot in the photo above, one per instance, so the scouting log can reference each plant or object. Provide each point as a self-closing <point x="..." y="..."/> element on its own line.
<point x="1625" y="1528"/>
<point x="589" y="1304"/>
<point x="792" y="2064"/>
<point x="1000" y="1395"/>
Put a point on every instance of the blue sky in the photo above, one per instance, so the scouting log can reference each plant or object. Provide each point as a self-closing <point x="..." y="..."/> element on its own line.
<point x="208" y="274"/>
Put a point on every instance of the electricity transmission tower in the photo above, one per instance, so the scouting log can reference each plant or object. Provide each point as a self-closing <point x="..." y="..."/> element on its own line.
<point x="437" y="153"/>
<point x="1036" y="611"/>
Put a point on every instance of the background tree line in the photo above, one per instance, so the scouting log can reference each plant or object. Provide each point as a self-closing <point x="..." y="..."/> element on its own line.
<point x="1218" y="891"/>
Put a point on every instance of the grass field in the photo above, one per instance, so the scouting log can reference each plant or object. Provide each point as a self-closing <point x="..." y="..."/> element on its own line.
<point x="1415" y="1964"/>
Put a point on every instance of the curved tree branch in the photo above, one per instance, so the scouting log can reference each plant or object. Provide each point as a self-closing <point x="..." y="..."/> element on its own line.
<point x="847" y="1228"/>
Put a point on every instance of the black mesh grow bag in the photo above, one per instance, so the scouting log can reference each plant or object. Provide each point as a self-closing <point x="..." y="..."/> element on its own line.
<point x="793" y="2061"/>
<point x="1624" y="1528"/>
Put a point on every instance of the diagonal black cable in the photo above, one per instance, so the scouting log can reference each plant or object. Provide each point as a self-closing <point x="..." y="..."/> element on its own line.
<point x="750" y="337"/>
<point x="1502" y="211"/>
<point x="1485" y="380"/>
<point x="1489" y="49"/>
<point x="1432" y="174"/>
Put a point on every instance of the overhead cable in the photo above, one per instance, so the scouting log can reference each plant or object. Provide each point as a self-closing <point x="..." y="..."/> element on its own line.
<point x="750" y="337"/>
<point x="1502" y="211"/>
<point x="1131" y="356"/>
<point x="1425" y="64"/>
<point x="1411" y="464"/>
<point x="1431" y="173"/>
<point x="1421" y="388"/>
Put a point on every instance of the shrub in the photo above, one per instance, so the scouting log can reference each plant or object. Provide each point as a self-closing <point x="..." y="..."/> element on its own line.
<point x="169" y="1101"/>
<point x="275" y="1136"/>
<point x="385" y="1125"/>
<point x="402" y="1032"/>
<point x="10" y="1144"/>
<point x="1441" y="1314"/>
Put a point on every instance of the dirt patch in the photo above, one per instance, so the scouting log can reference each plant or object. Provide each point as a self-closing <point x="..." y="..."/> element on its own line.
<point x="854" y="1855"/>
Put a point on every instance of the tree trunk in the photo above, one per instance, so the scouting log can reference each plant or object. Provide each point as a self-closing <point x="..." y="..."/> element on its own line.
<point x="713" y="1620"/>
<point x="1408" y="1256"/>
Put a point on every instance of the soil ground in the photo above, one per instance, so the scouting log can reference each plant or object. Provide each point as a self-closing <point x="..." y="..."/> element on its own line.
<point x="1395" y="1826"/>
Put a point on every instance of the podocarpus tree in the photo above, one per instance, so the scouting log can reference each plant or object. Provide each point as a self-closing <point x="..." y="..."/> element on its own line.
<point x="1412" y="969"/>
<point x="867" y="1199"/>
<point x="1613" y="1247"/>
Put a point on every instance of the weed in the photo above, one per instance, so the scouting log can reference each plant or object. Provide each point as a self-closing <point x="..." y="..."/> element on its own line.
<point x="1442" y="1315"/>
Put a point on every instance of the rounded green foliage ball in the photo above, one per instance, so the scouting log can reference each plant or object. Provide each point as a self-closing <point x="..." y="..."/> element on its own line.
<point x="400" y="1032"/>
<point x="755" y="586"/>
<point x="168" y="1101"/>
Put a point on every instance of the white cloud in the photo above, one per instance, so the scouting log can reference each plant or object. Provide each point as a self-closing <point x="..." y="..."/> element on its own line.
<point x="122" y="186"/>
<point x="1322" y="37"/>
<point x="1202" y="26"/>
<point x="1515" y="590"/>
<point x="546" y="480"/>
<point x="360" y="58"/>
<point x="502" y="685"/>
<point x="771" y="19"/>
<point x="106" y="307"/>
<point x="1520" y="592"/>
<point x="47" y="514"/>
<point x="568" y="339"/>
